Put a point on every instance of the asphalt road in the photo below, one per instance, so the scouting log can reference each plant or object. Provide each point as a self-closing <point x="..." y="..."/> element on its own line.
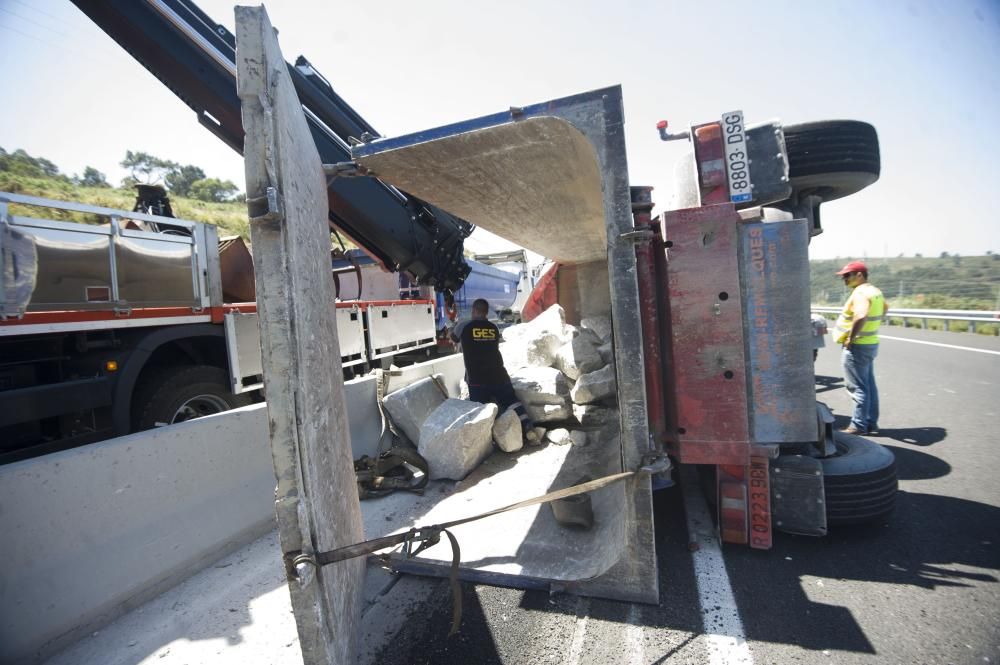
<point x="921" y="587"/>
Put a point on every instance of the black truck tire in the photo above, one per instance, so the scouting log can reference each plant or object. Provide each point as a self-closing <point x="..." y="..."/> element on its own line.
<point x="832" y="158"/>
<point x="175" y="394"/>
<point x="859" y="482"/>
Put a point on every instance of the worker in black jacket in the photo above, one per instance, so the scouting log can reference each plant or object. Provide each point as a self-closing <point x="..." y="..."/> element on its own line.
<point x="484" y="371"/>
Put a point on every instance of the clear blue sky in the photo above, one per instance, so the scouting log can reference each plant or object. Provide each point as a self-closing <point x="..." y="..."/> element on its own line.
<point x="926" y="74"/>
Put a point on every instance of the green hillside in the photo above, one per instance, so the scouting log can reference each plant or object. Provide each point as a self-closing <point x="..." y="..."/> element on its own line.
<point x="945" y="282"/>
<point x="21" y="173"/>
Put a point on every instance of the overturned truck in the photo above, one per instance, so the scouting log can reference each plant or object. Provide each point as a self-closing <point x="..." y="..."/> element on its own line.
<point x="711" y="355"/>
<point x="710" y="349"/>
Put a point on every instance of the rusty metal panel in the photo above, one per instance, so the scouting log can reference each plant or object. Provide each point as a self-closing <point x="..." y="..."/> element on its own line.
<point x="706" y="327"/>
<point x="774" y="265"/>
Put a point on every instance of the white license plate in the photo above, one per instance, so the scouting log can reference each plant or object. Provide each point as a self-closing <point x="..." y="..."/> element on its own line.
<point x="737" y="159"/>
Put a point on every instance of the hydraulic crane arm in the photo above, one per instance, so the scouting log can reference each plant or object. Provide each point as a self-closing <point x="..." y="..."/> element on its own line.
<point x="196" y="58"/>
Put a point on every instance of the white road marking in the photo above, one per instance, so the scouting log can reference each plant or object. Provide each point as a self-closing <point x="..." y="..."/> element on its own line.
<point x="579" y="631"/>
<point x="726" y="641"/>
<point x="947" y="346"/>
<point x="635" y="647"/>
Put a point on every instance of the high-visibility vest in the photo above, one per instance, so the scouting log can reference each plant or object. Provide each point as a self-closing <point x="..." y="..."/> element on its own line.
<point x="869" y="331"/>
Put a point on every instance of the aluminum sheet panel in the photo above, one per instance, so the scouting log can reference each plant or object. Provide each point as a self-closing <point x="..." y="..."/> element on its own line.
<point x="155" y="272"/>
<point x="399" y="326"/>
<point x="67" y="265"/>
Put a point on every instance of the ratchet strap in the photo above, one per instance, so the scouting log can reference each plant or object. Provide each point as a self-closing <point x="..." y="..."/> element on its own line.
<point x="429" y="536"/>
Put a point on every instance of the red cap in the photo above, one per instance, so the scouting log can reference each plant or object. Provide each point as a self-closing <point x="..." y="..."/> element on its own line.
<point x="853" y="266"/>
<point x="661" y="124"/>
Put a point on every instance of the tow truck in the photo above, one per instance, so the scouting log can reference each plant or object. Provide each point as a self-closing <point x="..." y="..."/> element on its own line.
<point x="145" y="320"/>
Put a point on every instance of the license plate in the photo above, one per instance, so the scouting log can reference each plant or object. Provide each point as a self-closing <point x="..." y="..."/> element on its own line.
<point x="760" y="504"/>
<point x="737" y="159"/>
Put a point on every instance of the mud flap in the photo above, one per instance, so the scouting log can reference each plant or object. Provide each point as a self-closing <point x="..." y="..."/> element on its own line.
<point x="553" y="178"/>
<point x="797" y="501"/>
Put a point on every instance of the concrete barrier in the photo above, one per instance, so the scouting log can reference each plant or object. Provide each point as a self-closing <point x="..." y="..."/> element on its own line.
<point x="93" y="532"/>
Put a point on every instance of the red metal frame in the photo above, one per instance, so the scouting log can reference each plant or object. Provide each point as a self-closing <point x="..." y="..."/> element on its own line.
<point x="703" y="358"/>
<point x="649" y="310"/>
<point x="708" y="384"/>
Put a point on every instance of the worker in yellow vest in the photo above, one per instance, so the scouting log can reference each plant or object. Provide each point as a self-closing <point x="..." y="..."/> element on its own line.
<point x="857" y="331"/>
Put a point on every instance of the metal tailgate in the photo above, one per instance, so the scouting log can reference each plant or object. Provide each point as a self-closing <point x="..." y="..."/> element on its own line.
<point x="553" y="178"/>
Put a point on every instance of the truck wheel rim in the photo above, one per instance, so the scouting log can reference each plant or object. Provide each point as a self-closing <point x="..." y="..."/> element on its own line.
<point x="198" y="406"/>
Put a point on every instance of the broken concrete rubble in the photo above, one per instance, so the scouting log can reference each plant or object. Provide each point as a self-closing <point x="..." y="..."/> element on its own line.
<point x="599" y="324"/>
<point x="540" y="385"/>
<point x="534" y="344"/>
<point x="594" y="415"/>
<point x="539" y="433"/>
<point x="579" y="356"/>
<point x="409" y="407"/>
<point x="559" y="436"/>
<point x="595" y="386"/>
<point x="507" y="432"/>
<point x="607" y="352"/>
<point x="546" y="413"/>
<point x="457" y="437"/>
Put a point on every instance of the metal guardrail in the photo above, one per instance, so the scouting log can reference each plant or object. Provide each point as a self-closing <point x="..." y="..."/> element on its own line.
<point x="972" y="317"/>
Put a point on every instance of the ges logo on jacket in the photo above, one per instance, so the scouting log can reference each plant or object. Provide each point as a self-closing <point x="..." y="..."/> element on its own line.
<point x="484" y="333"/>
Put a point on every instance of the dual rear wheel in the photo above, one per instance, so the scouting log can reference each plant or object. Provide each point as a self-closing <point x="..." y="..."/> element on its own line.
<point x="173" y="395"/>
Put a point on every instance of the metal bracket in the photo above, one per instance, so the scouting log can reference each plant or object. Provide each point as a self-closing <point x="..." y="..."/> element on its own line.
<point x="267" y="208"/>
<point x="671" y="136"/>
<point x="824" y="420"/>
<point x="768" y="450"/>
<point x="636" y="237"/>
<point x="345" y="170"/>
<point x="654" y="463"/>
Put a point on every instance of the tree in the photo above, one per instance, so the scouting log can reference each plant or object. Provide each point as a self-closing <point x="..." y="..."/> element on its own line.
<point x="180" y="178"/>
<point x="92" y="178"/>
<point x="213" y="189"/>
<point x="21" y="163"/>
<point x="145" y="168"/>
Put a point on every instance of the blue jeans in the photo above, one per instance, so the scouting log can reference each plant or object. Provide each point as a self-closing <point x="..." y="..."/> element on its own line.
<point x="859" y="376"/>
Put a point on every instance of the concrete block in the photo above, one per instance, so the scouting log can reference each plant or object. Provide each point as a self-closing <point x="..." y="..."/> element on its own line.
<point x="601" y="325"/>
<point x="594" y="415"/>
<point x="595" y="386"/>
<point x="559" y="436"/>
<point x="409" y="407"/>
<point x="540" y="385"/>
<point x="457" y="437"/>
<point x="507" y="432"/>
<point x="578" y="356"/>
<point x="545" y="413"/>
